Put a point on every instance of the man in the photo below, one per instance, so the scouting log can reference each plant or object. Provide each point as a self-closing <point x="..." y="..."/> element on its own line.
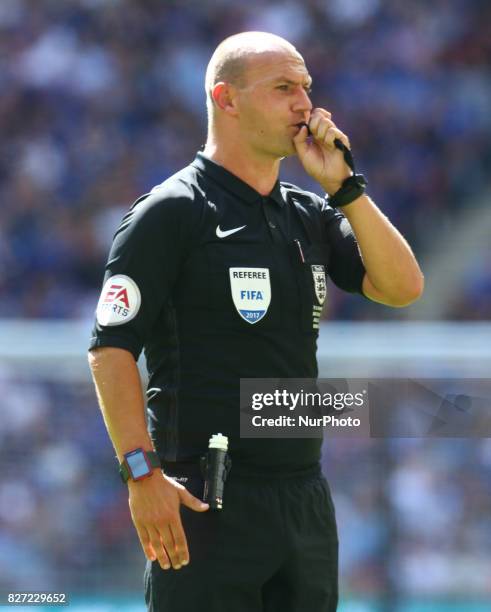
<point x="182" y="281"/>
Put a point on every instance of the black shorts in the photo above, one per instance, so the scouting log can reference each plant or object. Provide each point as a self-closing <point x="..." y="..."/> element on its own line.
<point x="273" y="548"/>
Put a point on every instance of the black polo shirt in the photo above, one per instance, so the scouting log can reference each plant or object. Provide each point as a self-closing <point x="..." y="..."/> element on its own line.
<point x="216" y="283"/>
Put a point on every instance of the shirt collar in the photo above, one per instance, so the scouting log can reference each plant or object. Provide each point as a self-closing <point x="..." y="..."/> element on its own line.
<point x="233" y="183"/>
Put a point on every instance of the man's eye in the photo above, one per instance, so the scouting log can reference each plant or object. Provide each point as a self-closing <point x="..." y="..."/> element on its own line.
<point x="283" y="87"/>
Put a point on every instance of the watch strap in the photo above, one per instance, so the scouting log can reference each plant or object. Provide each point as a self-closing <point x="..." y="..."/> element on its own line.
<point x="153" y="459"/>
<point x="353" y="187"/>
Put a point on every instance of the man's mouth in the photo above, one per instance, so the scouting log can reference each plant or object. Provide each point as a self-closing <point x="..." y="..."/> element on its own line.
<point x="302" y="124"/>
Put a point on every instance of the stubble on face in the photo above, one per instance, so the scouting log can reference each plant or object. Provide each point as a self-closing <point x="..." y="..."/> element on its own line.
<point x="267" y="117"/>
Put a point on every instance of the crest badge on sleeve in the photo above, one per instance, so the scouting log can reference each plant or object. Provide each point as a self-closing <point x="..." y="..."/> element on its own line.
<point x="119" y="302"/>
<point x="320" y="285"/>
<point x="251" y="292"/>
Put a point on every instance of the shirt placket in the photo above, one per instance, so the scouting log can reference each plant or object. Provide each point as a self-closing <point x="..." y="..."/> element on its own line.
<point x="272" y="216"/>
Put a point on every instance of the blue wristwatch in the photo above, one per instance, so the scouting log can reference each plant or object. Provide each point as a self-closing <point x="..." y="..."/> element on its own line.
<point x="138" y="464"/>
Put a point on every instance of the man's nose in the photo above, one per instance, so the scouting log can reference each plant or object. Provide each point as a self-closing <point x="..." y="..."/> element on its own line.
<point x="303" y="103"/>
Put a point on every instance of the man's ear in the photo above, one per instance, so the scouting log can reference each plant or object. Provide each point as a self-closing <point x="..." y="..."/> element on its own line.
<point x="224" y="96"/>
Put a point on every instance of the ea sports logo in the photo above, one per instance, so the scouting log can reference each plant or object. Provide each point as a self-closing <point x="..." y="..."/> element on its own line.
<point x="117" y="293"/>
<point x="119" y="302"/>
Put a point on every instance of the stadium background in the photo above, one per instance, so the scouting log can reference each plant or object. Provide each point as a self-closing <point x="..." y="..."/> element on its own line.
<point x="102" y="99"/>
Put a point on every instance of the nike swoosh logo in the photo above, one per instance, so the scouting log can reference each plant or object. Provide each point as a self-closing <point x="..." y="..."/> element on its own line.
<point x="224" y="234"/>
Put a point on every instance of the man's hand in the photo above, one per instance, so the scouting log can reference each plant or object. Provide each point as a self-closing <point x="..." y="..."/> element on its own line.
<point x="320" y="158"/>
<point x="155" y="509"/>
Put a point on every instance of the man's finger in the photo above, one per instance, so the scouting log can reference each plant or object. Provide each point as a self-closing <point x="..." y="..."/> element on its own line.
<point x="332" y="134"/>
<point x="159" y="549"/>
<point x="180" y="542"/>
<point x="300" y="140"/>
<point x="314" y="123"/>
<point x="144" y="538"/>
<point x="324" y="112"/>
<point x="321" y="125"/>
<point x="188" y="500"/>
<point x="169" y="544"/>
<point x="322" y="129"/>
<point x="318" y="115"/>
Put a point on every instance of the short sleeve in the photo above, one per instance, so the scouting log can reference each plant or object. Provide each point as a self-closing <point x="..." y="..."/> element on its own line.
<point x="142" y="267"/>
<point x="346" y="267"/>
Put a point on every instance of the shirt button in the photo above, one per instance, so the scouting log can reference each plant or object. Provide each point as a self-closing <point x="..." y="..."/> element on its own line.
<point x="271" y="225"/>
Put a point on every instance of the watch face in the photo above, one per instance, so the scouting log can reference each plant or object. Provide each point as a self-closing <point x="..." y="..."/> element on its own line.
<point x="137" y="463"/>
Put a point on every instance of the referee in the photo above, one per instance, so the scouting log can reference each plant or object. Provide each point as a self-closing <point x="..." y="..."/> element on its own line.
<point x="218" y="274"/>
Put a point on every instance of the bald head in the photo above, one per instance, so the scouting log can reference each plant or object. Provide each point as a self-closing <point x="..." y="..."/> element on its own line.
<point x="235" y="54"/>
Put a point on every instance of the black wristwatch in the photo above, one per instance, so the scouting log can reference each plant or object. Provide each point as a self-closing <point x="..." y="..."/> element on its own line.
<point x="138" y="464"/>
<point x="351" y="189"/>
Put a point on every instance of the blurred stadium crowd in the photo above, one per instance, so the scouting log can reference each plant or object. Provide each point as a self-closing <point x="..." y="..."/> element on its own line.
<point x="102" y="99"/>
